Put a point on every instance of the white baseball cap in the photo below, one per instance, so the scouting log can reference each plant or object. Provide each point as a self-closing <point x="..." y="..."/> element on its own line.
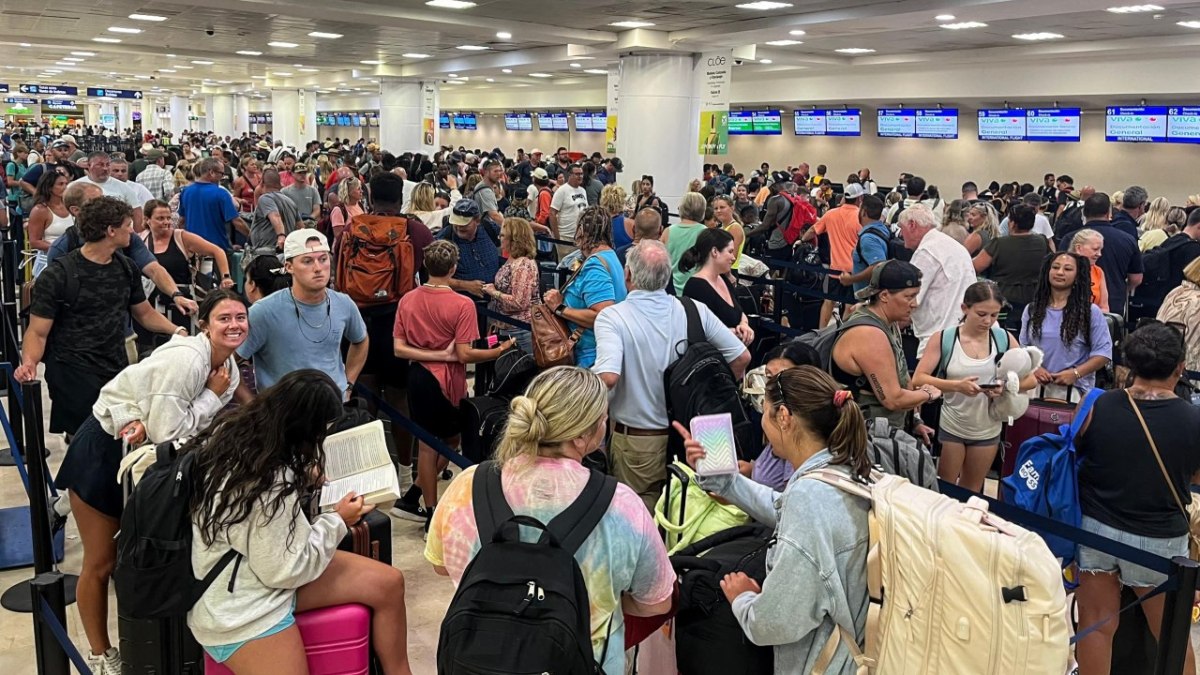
<point x="853" y="191"/>
<point x="300" y="242"/>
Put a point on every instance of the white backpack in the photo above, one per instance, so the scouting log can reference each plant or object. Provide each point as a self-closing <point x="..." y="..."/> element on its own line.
<point x="963" y="591"/>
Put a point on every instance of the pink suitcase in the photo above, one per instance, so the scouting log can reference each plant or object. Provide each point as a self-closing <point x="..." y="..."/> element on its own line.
<point x="336" y="639"/>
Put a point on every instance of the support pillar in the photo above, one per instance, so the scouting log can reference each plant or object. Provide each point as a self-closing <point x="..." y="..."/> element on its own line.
<point x="124" y="115"/>
<point x="285" y="111"/>
<point x="660" y="110"/>
<point x="241" y="115"/>
<point x="179" y="116"/>
<point x="220" y="116"/>
<point x="401" y="110"/>
<point x="307" y="119"/>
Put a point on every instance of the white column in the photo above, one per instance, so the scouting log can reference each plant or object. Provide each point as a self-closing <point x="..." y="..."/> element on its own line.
<point x="241" y="115"/>
<point x="149" y="117"/>
<point x="124" y="115"/>
<point x="285" y="111"/>
<point x="91" y="114"/>
<point x="659" y="111"/>
<point x="108" y="108"/>
<point x="400" y="116"/>
<point x="207" y="100"/>
<point x="221" y="115"/>
<point x="307" y="119"/>
<point x="179" y="115"/>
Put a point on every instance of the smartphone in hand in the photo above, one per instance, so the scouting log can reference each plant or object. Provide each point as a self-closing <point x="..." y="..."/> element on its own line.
<point x="715" y="434"/>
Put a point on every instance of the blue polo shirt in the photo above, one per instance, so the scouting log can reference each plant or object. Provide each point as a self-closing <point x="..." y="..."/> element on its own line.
<point x="206" y="208"/>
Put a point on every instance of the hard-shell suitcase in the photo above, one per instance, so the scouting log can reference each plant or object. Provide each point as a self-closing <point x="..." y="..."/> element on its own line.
<point x="371" y="537"/>
<point x="336" y="641"/>
<point x="1043" y="416"/>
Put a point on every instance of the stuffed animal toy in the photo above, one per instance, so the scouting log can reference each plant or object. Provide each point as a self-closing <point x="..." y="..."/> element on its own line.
<point x="1014" y="365"/>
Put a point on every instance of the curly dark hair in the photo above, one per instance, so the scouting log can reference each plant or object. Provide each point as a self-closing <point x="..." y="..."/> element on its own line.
<point x="263" y="453"/>
<point x="1077" y="315"/>
<point x="96" y="216"/>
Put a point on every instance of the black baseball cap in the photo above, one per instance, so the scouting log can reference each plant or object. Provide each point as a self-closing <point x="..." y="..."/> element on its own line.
<point x="891" y="275"/>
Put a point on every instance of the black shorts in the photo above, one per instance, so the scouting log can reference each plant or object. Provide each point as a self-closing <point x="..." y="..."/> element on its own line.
<point x="90" y="468"/>
<point x="429" y="407"/>
<point x="382" y="364"/>
<point x="845" y="294"/>
<point x="73" y="391"/>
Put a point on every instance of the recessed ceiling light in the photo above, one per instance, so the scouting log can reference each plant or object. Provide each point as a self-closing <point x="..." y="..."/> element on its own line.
<point x="766" y="61"/>
<point x="282" y="73"/>
<point x="1037" y="36"/>
<point x="72" y="58"/>
<point x="450" y="4"/>
<point x="944" y="17"/>
<point x="224" y="81"/>
<point x="490" y="80"/>
<point x="963" y="24"/>
<point x="456" y="82"/>
<point x="472" y="48"/>
<point x="26" y="44"/>
<point x="540" y="75"/>
<point x="322" y="34"/>
<point x="106" y="40"/>
<point x="123" y="29"/>
<point x="147" y="17"/>
<point x="308" y="70"/>
<point x="576" y="65"/>
<point x="83" y="53"/>
<point x="414" y="55"/>
<point x="631" y="24"/>
<point x="784" y="43"/>
<point x="764" y="5"/>
<point x="796" y="32"/>
<point x="1134" y="9"/>
<point x="182" y="67"/>
<point x="596" y="71"/>
<point x="506" y="70"/>
<point x="166" y="70"/>
<point x="201" y="62"/>
<point x="258" y="77"/>
<point x="52" y="70"/>
<point x="504" y="35"/>
<point x="141" y="77"/>
<point x="1185" y="24"/>
<point x="371" y="62"/>
<point x="855" y="50"/>
<point x="249" y="52"/>
<point x="283" y="45"/>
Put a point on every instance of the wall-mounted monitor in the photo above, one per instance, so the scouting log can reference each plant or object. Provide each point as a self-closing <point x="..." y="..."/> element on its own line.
<point x="1001" y="125"/>
<point x="518" y="122"/>
<point x="465" y="121"/>
<point x="754" y="123"/>
<point x="937" y="123"/>
<point x="591" y="121"/>
<point x="897" y="123"/>
<point x="845" y="122"/>
<point x="1140" y="124"/>
<point x="444" y="120"/>
<point x="552" y="121"/>
<point x="1183" y="124"/>
<point x="1052" y="124"/>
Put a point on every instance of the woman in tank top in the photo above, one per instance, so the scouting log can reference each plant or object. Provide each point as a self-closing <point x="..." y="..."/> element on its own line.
<point x="50" y="217"/>
<point x="968" y="434"/>
<point x="174" y="248"/>
<point x="245" y="188"/>
<point x="727" y="220"/>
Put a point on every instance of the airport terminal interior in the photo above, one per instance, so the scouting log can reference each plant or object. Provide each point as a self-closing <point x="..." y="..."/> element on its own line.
<point x="968" y="122"/>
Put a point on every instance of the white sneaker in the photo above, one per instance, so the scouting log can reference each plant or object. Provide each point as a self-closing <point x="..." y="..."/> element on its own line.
<point x="108" y="663"/>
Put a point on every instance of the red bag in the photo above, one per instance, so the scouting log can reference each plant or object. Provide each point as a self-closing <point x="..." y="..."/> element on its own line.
<point x="803" y="214"/>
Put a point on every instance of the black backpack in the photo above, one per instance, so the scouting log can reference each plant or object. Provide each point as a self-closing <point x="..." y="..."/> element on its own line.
<point x="523" y="607"/>
<point x="700" y="382"/>
<point x="708" y="638"/>
<point x="893" y="246"/>
<point x="1156" y="269"/>
<point x="153" y="573"/>
<point x="484" y="418"/>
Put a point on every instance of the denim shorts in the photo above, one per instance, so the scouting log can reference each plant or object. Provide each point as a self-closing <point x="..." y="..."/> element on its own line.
<point x="221" y="653"/>
<point x="1091" y="560"/>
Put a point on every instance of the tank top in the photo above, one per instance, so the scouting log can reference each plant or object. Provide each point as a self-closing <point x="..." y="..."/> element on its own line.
<point x="864" y="395"/>
<point x="247" y="192"/>
<point x="58" y="226"/>
<point x="738" y="258"/>
<point x="173" y="259"/>
<point x="967" y="416"/>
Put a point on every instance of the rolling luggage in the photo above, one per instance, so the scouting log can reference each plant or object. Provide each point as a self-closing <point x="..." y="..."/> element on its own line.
<point x="336" y="641"/>
<point x="1044" y="416"/>
<point x="371" y="537"/>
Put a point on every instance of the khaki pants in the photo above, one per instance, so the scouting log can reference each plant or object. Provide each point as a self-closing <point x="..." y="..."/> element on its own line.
<point x="641" y="463"/>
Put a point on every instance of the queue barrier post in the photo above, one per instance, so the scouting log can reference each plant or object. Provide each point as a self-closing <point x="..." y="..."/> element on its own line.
<point x="48" y="591"/>
<point x="10" y="350"/>
<point x="1174" y="635"/>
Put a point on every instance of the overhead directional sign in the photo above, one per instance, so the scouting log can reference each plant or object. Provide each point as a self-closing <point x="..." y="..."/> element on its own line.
<point x="21" y="100"/>
<point x="49" y="89"/>
<point x="58" y="104"/>
<point x="114" y="93"/>
<point x="3" y="88"/>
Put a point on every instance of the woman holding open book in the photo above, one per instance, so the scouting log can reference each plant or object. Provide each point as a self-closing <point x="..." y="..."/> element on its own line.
<point x="252" y="469"/>
<point x="174" y="393"/>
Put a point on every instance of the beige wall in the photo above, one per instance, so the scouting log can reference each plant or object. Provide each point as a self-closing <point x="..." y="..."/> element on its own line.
<point x="492" y="134"/>
<point x="1163" y="169"/>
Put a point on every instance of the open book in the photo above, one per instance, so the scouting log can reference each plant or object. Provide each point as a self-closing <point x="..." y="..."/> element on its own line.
<point x="357" y="460"/>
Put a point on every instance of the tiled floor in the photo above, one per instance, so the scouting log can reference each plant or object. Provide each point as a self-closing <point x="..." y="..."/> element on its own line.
<point x="428" y="594"/>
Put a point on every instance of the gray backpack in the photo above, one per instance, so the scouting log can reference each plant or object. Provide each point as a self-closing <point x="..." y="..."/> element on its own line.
<point x="896" y="452"/>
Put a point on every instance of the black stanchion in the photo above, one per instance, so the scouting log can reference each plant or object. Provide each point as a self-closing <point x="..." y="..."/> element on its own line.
<point x="18" y="598"/>
<point x="10" y="350"/>
<point x="51" y="656"/>
<point x="1176" y="630"/>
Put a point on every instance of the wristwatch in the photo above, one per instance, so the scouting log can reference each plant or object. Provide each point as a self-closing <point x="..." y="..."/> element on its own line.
<point x="559" y="311"/>
<point x="225" y="276"/>
<point x="177" y="294"/>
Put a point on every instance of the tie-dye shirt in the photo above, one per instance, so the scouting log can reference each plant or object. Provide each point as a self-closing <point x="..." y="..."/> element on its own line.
<point x="623" y="554"/>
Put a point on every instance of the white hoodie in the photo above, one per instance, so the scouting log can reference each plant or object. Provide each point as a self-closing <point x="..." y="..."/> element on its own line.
<point x="166" y="392"/>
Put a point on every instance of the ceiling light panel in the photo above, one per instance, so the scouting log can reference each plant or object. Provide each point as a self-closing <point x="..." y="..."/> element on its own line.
<point x="450" y="4"/>
<point x="785" y="43"/>
<point x="961" y="25"/>
<point x="1033" y="37"/>
<point x="123" y="29"/>
<point x="764" y="5"/>
<point x="472" y="48"/>
<point x="249" y="52"/>
<point x="1135" y="9"/>
<point x="106" y="40"/>
<point x="283" y="45"/>
<point x="324" y="35"/>
<point x="414" y="55"/>
<point x="855" y="50"/>
<point x="631" y="24"/>
<point x="147" y="17"/>
<point x="1189" y="24"/>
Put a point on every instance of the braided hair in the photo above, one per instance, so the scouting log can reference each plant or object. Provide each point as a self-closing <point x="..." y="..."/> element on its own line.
<point x="1077" y="315"/>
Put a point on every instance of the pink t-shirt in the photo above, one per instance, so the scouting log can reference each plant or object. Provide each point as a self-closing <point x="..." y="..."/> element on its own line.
<point x="624" y="552"/>
<point x="433" y="318"/>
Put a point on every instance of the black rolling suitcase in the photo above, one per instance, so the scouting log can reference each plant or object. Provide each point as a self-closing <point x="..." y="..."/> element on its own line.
<point x="371" y="537"/>
<point x="156" y="646"/>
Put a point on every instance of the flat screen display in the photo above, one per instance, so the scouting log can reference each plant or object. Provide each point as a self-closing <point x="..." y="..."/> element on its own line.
<point x="767" y="123"/>
<point x="555" y="121"/>
<point x="1001" y="125"/>
<point x="1141" y="124"/>
<point x="939" y="123"/>
<point x="518" y="122"/>
<point x="810" y="122"/>
<point x="847" y="122"/>
<point x="1052" y="125"/>
<point x="897" y="123"/>
<point x="741" y="123"/>
<point x="444" y="120"/>
<point x="591" y="121"/>
<point x="465" y="121"/>
<point x="1183" y="124"/>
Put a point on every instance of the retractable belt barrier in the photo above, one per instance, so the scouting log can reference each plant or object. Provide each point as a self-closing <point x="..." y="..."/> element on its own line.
<point x="413" y="428"/>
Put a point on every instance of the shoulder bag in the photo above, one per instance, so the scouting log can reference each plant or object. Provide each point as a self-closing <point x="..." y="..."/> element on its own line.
<point x="553" y="343"/>
<point x="1191" y="513"/>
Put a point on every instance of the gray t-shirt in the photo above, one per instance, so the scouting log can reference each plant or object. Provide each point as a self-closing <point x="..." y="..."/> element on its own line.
<point x="485" y="198"/>
<point x="289" y="335"/>
<point x="305" y="197"/>
<point x="262" y="233"/>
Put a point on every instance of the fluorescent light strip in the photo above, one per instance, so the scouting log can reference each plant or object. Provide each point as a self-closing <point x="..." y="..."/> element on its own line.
<point x="785" y="43"/>
<point x="1188" y="24"/>
<point x="147" y="17"/>
<point x="796" y="32"/>
<point x="944" y="17"/>
<point x="450" y="4"/>
<point x="73" y="58"/>
<point x="473" y="48"/>
<point x="963" y="24"/>
<point x="596" y="71"/>
<point x="123" y="29"/>
<point x="540" y="75"/>
<point x="414" y="55"/>
<point x="504" y="35"/>
<point x="765" y="61"/>
<point x="764" y="5"/>
<point x="1037" y="36"/>
<point x="371" y="62"/>
<point x="631" y="24"/>
<point x="855" y="50"/>
<point x="283" y="45"/>
<point x="83" y="53"/>
<point x="249" y="52"/>
<point x="327" y="36"/>
<point x="106" y="40"/>
<point x="1134" y="9"/>
<point x="202" y="62"/>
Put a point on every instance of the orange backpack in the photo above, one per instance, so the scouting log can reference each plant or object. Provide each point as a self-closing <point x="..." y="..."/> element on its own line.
<point x="375" y="260"/>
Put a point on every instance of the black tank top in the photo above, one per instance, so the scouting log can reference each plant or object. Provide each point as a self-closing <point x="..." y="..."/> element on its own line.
<point x="175" y="262"/>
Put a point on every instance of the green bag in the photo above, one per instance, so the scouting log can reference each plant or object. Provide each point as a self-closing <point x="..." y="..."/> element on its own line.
<point x="702" y="515"/>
